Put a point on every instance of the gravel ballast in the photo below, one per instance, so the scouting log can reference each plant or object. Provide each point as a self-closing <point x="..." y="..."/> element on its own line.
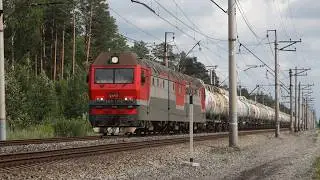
<point x="72" y="144"/>
<point x="259" y="157"/>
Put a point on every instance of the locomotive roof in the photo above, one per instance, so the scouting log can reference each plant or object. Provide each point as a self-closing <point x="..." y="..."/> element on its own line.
<point x="129" y="58"/>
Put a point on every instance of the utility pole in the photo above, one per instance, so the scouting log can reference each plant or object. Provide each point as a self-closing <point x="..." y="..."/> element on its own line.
<point x="277" y="130"/>
<point x="295" y="100"/>
<point x="298" y="72"/>
<point x="306" y="92"/>
<point x="211" y="70"/>
<point x="299" y="107"/>
<point x="276" y="49"/>
<point x="165" y="59"/>
<point x="291" y="112"/>
<point x="2" y="80"/>
<point x="233" y="121"/>
<point x="305" y="114"/>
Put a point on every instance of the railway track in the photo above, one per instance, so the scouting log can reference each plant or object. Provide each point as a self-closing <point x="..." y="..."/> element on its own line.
<point x="18" y="159"/>
<point x="59" y="140"/>
<point x="48" y="140"/>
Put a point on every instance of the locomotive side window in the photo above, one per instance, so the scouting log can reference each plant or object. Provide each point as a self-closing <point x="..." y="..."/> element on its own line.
<point x="157" y="82"/>
<point x="153" y="81"/>
<point x="113" y="76"/>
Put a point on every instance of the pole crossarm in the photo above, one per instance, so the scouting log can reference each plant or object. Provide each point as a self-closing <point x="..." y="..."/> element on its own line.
<point x="254" y="66"/>
<point x="198" y="43"/>
<point x="302" y="70"/>
<point x="219" y="6"/>
<point x="138" y="2"/>
<point x="290" y="44"/>
<point x="259" y="85"/>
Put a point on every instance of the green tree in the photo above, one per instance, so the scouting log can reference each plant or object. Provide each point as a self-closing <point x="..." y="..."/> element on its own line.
<point x="16" y="102"/>
<point x="104" y="30"/>
<point x="140" y="48"/>
<point x="72" y="95"/>
<point x="191" y="67"/>
<point x="42" y="99"/>
<point x="158" y="55"/>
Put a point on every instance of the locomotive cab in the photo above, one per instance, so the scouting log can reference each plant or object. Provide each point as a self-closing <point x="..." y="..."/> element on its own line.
<point x="114" y="84"/>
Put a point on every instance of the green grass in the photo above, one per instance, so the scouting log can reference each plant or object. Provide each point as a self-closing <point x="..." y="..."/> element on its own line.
<point x="35" y="132"/>
<point x="317" y="171"/>
<point x="72" y="127"/>
<point x="58" y="128"/>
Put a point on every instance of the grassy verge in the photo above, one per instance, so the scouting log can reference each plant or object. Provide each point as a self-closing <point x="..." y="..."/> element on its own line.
<point x="58" y="128"/>
<point x="35" y="132"/>
<point x="317" y="169"/>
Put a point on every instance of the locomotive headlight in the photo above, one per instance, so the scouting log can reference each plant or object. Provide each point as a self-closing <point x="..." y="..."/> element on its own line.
<point x="126" y="99"/>
<point x="114" y="60"/>
<point x="100" y="99"/>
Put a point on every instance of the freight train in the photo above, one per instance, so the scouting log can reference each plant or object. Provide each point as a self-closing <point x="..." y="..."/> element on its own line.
<point x="141" y="96"/>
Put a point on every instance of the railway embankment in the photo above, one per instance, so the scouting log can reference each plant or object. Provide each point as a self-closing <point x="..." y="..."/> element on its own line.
<point x="259" y="156"/>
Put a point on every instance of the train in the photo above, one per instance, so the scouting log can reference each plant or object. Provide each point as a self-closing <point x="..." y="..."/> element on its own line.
<point x="136" y="95"/>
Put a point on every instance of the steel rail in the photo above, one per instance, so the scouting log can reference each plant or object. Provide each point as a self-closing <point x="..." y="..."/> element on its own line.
<point x="48" y="140"/>
<point x="17" y="159"/>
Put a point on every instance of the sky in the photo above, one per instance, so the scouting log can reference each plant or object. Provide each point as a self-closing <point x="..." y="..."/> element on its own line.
<point x="201" y="20"/>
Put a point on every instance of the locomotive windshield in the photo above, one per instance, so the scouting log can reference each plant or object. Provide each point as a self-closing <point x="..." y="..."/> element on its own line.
<point x="114" y="76"/>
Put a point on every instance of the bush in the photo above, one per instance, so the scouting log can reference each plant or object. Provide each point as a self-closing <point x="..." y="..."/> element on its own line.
<point x="16" y="103"/>
<point x="71" y="127"/>
<point x="72" y="95"/>
<point x="42" y="99"/>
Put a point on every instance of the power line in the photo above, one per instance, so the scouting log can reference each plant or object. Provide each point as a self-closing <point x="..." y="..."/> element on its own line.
<point x="263" y="63"/>
<point x="129" y="22"/>
<point x="245" y="19"/>
<point x="290" y="14"/>
<point x="282" y="24"/>
<point x="185" y="15"/>
<point x="193" y="29"/>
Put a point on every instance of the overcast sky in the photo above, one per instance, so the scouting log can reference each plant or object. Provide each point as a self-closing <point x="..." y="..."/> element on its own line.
<point x="293" y="19"/>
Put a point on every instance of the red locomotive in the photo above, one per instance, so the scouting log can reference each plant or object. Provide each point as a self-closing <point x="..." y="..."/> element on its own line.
<point x="142" y="95"/>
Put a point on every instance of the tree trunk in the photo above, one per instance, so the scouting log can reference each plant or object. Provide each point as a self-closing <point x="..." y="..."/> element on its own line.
<point x="36" y="64"/>
<point x="89" y="37"/>
<point x="55" y="58"/>
<point x="62" y="53"/>
<point x="12" y="52"/>
<point x="43" y="48"/>
<point x="52" y="52"/>
<point x="74" y="43"/>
